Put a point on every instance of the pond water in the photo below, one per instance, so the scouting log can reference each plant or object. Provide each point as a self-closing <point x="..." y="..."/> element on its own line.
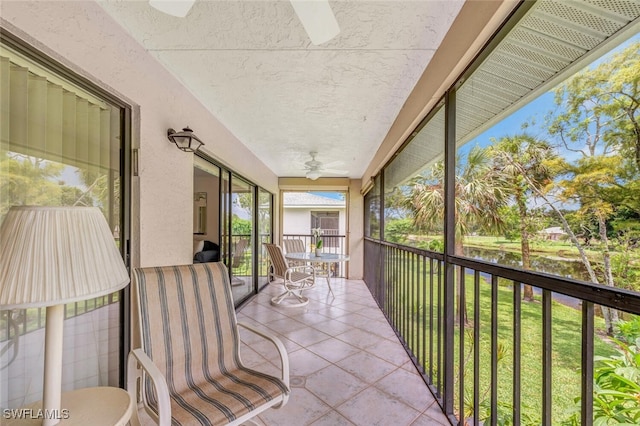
<point x="567" y="268"/>
<point x="563" y="267"/>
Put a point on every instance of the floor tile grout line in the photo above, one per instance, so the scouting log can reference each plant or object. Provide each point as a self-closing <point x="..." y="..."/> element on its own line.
<point x="342" y="307"/>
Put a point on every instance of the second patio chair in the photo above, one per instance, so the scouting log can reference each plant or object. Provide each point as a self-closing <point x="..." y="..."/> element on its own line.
<point x="295" y="246"/>
<point x="295" y="279"/>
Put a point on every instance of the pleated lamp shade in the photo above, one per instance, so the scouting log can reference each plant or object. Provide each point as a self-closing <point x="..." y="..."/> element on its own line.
<point x="57" y="255"/>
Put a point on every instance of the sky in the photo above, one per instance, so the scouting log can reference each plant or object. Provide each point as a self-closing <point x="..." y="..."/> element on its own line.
<point x="331" y="194"/>
<point x="535" y="110"/>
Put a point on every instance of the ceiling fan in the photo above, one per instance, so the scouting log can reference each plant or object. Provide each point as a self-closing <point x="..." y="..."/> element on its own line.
<point x="316" y="16"/>
<point x="316" y="168"/>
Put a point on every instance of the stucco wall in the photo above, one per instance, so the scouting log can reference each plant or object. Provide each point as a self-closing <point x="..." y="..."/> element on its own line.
<point x="355" y="230"/>
<point x="297" y="220"/>
<point x="84" y="38"/>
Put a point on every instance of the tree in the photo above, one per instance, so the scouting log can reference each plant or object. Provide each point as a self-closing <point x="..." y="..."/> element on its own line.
<point x="27" y="180"/>
<point x="517" y="157"/>
<point x="479" y="197"/>
<point x="511" y="219"/>
<point x="599" y="123"/>
<point x="397" y="230"/>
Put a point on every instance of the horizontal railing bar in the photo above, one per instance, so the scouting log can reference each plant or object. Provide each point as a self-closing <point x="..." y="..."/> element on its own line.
<point x="422" y="252"/>
<point x="404" y="288"/>
<point x="285" y="236"/>
<point x="617" y="298"/>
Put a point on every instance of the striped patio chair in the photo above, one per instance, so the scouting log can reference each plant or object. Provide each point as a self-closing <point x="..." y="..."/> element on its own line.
<point x="295" y="246"/>
<point x="295" y="279"/>
<point x="188" y="370"/>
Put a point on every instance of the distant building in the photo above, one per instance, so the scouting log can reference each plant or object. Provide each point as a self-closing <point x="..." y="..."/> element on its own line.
<point x="304" y="211"/>
<point x="554" y="233"/>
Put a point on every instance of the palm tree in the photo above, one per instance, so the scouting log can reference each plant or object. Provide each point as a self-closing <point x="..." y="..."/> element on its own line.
<point x="521" y="161"/>
<point x="479" y="196"/>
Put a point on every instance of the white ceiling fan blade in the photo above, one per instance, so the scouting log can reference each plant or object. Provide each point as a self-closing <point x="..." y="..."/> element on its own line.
<point x="317" y="19"/>
<point x="332" y="164"/>
<point x="334" y="171"/>
<point x="178" y="8"/>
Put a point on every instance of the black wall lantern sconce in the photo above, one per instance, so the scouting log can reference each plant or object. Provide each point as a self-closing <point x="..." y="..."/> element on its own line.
<point x="185" y="140"/>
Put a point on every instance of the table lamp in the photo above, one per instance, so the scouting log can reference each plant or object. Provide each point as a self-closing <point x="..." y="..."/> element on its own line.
<point x="50" y="256"/>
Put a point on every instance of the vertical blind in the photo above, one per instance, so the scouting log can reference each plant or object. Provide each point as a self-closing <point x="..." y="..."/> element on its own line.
<point x="38" y="114"/>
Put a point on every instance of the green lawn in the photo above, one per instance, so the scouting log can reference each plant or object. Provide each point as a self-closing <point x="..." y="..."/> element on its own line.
<point x="556" y="249"/>
<point x="566" y="352"/>
<point x="566" y="340"/>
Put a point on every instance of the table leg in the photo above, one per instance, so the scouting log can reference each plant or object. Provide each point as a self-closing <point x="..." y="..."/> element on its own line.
<point x="329" y="279"/>
<point x="329" y="284"/>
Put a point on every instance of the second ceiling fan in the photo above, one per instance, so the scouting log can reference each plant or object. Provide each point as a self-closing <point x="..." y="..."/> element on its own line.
<point x="316" y="168"/>
<point x="316" y="16"/>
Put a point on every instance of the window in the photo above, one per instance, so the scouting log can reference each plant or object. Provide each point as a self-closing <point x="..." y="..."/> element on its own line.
<point x="414" y="189"/>
<point x="62" y="143"/>
<point x="329" y="223"/>
<point x="556" y="166"/>
<point x="541" y="170"/>
<point x="372" y="210"/>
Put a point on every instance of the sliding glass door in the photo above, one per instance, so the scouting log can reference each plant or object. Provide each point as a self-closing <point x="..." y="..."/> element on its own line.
<point x="238" y="220"/>
<point x="265" y="234"/>
<point x="61" y="144"/>
<point x="242" y="238"/>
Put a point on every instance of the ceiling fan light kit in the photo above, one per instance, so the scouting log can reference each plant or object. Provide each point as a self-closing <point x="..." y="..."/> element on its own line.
<point x="313" y="174"/>
<point x="316" y="16"/>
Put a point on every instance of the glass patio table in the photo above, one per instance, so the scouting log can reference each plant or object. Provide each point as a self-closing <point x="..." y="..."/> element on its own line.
<point x="324" y="258"/>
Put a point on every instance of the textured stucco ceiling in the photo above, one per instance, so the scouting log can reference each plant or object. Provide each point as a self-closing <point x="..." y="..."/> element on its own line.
<point x="252" y="65"/>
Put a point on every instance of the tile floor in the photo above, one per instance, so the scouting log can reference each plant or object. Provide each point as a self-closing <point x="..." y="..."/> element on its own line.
<point x="347" y="366"/>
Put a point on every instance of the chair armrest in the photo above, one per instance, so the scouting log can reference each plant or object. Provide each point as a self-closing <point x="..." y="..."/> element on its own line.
<point x="284" y="356"/>
<point x="304" y="268"/>
<point x="138" y="359"/>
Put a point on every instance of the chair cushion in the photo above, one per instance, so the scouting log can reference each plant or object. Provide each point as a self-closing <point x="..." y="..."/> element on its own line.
<point x="222" y="399"/>
<point x="208" y="245"/>
<point x="297" y="276"/>
<point x="207" y="256"/>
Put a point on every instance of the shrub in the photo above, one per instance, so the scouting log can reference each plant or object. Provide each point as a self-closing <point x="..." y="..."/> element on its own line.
<point x="616" y="388"/>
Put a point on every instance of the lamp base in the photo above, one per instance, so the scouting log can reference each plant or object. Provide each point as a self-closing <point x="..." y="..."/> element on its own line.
<point x="99" y="406"/>
<point x="53" y="365"/>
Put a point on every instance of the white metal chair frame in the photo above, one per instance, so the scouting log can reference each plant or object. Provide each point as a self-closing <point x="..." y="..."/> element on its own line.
<point x="296" y="279"/>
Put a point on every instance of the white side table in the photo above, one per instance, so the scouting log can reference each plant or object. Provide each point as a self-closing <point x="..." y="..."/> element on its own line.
<point x="99" y="406"/>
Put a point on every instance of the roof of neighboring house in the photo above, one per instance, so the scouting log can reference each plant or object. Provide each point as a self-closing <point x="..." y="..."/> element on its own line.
<point x="553" y="230"/>
<point x="298" y="199"/>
